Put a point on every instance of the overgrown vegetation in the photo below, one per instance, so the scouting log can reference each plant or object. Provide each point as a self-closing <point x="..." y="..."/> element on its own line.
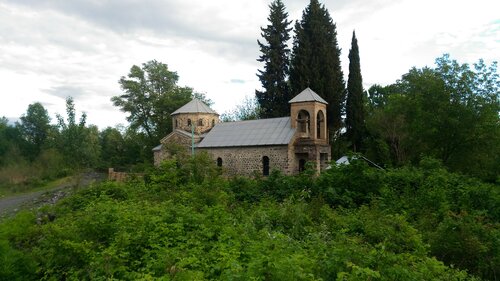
<point x="185" y="222"/>
<point x="35" y="152"/>
<point x="449" y="112"/>
<point x="432" y="215"/>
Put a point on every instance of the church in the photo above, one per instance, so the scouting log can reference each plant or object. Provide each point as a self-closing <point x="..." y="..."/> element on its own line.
<point x="254" y="146"/>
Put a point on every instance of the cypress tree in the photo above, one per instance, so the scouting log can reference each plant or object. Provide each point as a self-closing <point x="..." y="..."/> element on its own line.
<point x="355" y="116"/>
<point x="315" y="62"/>
<point x="273" y="100"/>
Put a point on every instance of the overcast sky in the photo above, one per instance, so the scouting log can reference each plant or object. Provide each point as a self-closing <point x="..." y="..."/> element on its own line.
<point x="51" y="49"/>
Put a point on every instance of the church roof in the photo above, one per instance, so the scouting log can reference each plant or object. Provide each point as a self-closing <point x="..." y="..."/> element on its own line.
<point x="194" y="106"/>
<point x="273" y="131"/>
<point x="307" y="95"/>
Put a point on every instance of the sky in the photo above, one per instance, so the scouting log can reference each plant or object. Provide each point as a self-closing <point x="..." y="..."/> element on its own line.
<point x="52" y="49"/>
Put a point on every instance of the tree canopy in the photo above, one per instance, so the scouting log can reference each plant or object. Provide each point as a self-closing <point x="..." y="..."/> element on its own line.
<point x="78" y="142"/>
<point x="273" y="100"/>
<point x="450" y="112"/>
<point x="35" y="126"/>
<point x="150" y="95"/>
<point x="355" y="112"/>
<point x="315" y="61"/>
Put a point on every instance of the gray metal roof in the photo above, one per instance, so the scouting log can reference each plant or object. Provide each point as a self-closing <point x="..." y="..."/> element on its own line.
<point x="307" y="95"/>
<point x="273" y="131"/>
<point x="157" y="148"/>
<point x="194" y="106"/>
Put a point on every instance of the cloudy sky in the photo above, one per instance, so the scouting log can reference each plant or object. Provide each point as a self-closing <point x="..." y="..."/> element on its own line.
<point x="51" y="49"/>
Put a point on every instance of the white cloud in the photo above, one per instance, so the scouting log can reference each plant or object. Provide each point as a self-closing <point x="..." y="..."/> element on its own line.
<point x="50" y="49"/>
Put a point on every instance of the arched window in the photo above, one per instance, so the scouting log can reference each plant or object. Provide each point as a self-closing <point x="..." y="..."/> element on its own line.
<point x="320" y="125"/>
<point x="303" y="121"/>
<point x="213" y="122"/>
<point x="189" y="122"/>
<point x="219" y="162"/>
<point x="265" y="166"/>
<point x="200" y="122"/>
<point x="176" y="123"/>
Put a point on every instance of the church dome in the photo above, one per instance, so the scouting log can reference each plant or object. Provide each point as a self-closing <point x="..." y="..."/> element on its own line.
<point x="194" y="106"/>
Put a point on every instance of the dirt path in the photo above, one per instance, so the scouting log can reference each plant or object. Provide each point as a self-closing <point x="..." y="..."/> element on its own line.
<point x="12" y="204"/>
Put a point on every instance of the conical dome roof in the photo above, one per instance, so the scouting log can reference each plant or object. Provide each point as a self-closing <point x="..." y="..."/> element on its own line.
<point x="307" y="95"/>
<point x="194" y="106"/>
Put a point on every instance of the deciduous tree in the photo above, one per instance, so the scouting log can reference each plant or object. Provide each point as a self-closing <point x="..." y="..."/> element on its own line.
<point x="249" y="109"/>
<point x="35" y="125"/>
<point x="78" y="143"/>
<point x="449" y="112"/>
<point x="150" y="95"/>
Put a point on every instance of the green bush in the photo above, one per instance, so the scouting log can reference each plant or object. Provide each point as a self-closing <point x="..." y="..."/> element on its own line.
<point x="374" y="225"/>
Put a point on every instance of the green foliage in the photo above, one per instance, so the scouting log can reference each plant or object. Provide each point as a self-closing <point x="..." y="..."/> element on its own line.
<point x="11" y="143"/>
<point x="355" y="112"/>
<point x="273" y="101"/>
<point x="458" y="216"/>
<point x="315" y="61"/>
<point x="78" y="143"/>
<point x="462" y="129"/>
<point x="120" y="149"/>
<point x="350" y="185"/>
<point x="35" y="125"/>
<point x="150" y="94"/>
<point x="249" y="109"/>
<point x="14" y="236"/>
<point x="468" y="241"/>
<point x="188" y="223"/>
<point x="36" y="152"/>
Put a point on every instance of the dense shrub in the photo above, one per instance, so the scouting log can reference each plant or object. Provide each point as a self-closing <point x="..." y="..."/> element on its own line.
<point x="350" y="223"/>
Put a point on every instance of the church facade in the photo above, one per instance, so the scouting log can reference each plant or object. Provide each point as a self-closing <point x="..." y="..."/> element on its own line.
<point x="254" y="146"/>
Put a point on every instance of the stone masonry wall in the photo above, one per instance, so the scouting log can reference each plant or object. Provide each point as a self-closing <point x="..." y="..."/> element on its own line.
<point x="207" y="121"/>
<point x="175" y="139"/>
<point x="248" y="160"/>
<point x="158" y="157"/>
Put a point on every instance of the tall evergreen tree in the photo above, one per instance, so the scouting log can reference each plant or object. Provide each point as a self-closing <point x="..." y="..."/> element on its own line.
<point x="273" y="100"/>
<point x="315" y="61"/>
<point x="355" y="113"/>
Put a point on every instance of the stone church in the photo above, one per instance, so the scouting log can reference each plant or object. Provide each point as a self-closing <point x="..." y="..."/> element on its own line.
<point x="254" y="146"/>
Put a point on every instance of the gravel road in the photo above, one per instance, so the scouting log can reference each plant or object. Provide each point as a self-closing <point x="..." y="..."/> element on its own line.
<point x="12" y="204"/>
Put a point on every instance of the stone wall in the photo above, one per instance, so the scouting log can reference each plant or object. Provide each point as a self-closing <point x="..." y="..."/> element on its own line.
<point x="122" y="176"/>
<point x="178" y="139"/>
<point x="249" y="160"/>
<point x="169" y="142"/>
<point x="320" y="154"/>
<point x="208" y="120"/>
<point x="158" y="157"/>
<point x="314" y="110"/>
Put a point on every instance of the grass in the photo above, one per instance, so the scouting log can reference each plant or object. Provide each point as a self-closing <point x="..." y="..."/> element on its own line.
<point x="17" y="189"/>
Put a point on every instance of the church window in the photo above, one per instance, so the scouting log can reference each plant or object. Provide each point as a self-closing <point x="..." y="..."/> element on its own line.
<point x="265" y="166"/>
<point x="320" y="126"/>
<point x="213" y="122"/>
<point x="189" y="122"/>
<point x="219" y="162"/>
<point x="176" y="123"/>
<point x="200" y="122"/>
<point x="303" y="121"/>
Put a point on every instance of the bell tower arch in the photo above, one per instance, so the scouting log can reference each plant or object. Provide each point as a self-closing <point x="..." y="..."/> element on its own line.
<point x="308" y="116"/>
